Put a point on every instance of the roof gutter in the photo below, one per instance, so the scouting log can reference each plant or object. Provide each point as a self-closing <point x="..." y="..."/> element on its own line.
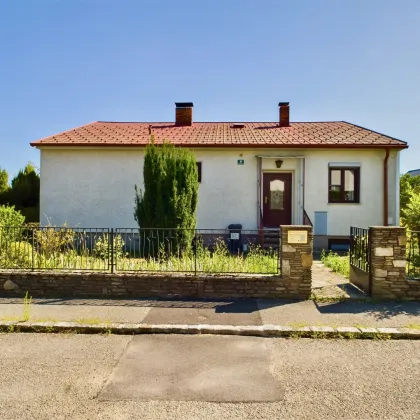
<point x="386" y="187"/>
<point x="224" y="145"/>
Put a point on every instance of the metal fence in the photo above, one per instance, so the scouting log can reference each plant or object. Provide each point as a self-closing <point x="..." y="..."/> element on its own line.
<point x="360" y="248"/>
<point x="413" y="255"/>
<point x="139" y="250"/>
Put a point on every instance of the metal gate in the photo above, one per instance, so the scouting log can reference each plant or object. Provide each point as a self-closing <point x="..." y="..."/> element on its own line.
<point x="360" y="263"/>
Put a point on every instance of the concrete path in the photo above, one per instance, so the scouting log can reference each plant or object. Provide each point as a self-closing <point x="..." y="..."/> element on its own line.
<point x="327" y="284"/>
<point x="63" y="377"/>
<point x="225" y="312"/>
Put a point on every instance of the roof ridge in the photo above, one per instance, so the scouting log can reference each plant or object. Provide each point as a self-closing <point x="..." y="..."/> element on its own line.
<point x="218" y="122"/>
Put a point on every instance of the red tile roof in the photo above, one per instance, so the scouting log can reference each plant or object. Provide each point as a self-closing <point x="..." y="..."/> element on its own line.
<point x="217" y="134"/>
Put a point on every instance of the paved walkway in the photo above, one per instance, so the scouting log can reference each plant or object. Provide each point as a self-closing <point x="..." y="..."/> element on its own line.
<point x="327" y="284"/>
<point x="216" y="312"/>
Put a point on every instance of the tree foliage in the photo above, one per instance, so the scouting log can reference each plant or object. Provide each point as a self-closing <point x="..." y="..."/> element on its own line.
<point x="170" y="194"/>
<point x="23" y="193"/>
<point x="4" y="181"/>
<point x="410" y="201"/>
<point x="11" y="222"/>
<point x="409" y="185"/>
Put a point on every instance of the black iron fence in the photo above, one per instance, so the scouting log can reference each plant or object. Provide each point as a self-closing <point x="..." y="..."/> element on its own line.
<point x="413" y="255"/>
<point x="139" y="250"/>
<point x="360" y="248"/>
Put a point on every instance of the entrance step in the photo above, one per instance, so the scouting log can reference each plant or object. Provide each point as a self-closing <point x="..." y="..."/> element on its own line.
<point x="270" y="238"/>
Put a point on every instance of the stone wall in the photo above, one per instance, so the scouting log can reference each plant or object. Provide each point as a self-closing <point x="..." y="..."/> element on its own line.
<point x="106" y="285"/>
<point x="388" y="265"/>
<point x="296" y="259"/>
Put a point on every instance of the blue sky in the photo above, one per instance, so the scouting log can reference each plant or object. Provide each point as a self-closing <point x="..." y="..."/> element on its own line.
<point x="67" y="63"/>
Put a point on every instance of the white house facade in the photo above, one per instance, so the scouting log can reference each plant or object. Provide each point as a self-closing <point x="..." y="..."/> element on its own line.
<point x="260" y="175"/>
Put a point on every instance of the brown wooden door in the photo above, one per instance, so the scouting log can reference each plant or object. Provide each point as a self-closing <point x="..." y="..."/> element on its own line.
<point x="277" y="199"/>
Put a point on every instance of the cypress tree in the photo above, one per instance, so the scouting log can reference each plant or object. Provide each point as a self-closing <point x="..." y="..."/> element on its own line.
<point x="170" y="196"/>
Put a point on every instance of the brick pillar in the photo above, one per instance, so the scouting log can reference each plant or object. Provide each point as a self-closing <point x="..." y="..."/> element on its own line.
<point x="388" y="261"/>
<point x="296" y="260"/>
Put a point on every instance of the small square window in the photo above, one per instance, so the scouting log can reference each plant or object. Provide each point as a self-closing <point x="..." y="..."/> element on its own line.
<point x="199" y="171"/>
<point x="344" y="185"/>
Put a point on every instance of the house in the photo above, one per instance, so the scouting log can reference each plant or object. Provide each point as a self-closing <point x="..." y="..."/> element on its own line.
<point x="259" y="174"/>
<point x="414" y="172"/>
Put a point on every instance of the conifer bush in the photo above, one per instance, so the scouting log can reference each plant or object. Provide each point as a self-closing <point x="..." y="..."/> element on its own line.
<point x="170" y="196"/>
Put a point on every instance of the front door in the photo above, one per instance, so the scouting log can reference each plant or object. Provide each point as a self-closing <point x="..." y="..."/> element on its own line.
<point x="277" y="199"/>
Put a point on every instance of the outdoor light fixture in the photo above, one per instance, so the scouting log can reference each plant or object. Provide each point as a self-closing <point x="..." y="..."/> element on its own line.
<point x="279" y="163"/>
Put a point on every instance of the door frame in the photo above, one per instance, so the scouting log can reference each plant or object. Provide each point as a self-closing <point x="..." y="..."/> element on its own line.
<point x="292" y="186"/>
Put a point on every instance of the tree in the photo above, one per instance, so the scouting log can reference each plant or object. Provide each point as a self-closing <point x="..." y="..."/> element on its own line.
<point x="24" y="193"/>
<point x="412" y="213"/>
<point x="409" y="185"/>
<point x="4" y="181"/>
<point x="170" y="193"/>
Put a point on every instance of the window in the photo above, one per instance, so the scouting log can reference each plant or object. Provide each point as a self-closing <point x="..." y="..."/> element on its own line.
<point x="344" y="185"/>
<point x="276" y="195"/>
<point x="199" y="171"/>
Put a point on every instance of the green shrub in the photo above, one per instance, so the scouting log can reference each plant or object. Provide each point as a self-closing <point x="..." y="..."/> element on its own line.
<point x="16" y="255"/>
<point x="102" y="250"/>
<point x="11" y="222"/>
<point x="338" y="264"/>
<point x="52" y="240"/>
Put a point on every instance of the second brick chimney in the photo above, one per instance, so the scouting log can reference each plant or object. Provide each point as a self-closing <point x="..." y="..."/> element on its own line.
<point x="284" y="120"/>
<point x="183" y="113"/>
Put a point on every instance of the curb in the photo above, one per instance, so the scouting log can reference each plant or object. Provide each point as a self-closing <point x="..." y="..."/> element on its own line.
<point x="244" y="330"/>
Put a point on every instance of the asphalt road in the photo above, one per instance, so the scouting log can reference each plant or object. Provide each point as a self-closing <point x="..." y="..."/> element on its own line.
<point x="85" y="377"/>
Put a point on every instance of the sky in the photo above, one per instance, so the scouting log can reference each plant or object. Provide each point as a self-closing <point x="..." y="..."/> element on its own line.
<point x="67" y="63"/>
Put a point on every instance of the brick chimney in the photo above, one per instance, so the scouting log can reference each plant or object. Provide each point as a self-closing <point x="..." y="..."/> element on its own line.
<point x="183" y="113"/>
<point x="284" y="114"/>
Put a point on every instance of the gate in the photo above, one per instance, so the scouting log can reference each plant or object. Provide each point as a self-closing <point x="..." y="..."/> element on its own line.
<point x="360" y="264"/>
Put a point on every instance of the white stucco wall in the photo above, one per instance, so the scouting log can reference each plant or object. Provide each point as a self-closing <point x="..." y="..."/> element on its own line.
<point x="89" y="187"/>
<point x="369" y="211"/>
<point x="95" y="187"/>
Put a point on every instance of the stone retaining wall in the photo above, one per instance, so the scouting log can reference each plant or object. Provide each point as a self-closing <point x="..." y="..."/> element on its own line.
<point x="106" y="285"/>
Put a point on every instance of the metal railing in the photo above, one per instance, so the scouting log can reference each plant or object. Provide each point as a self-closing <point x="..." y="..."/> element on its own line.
<point x="138" y="250"/>
<point x="306" y="220"/>
<point x="413" y="255"/>
<point x="360" y="248"/>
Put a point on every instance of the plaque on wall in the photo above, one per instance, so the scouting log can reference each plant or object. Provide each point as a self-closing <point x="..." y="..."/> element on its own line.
<point x="297" y="237"/>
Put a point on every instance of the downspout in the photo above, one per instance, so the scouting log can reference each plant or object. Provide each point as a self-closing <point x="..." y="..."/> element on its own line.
<point x="386" y="187"/>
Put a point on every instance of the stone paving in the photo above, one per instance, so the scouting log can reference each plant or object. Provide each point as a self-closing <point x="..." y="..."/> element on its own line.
<point x="329" y="285"/>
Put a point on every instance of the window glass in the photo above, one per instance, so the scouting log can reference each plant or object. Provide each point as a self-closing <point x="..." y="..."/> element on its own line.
<point x="276" y="195"/>
<point x="349" y="185"/>
<point x="344" y="185"/>
<point x="335" y="187"/>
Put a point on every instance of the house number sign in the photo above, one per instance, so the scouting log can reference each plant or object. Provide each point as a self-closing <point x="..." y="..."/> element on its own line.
<point x="241" y="161"/>
<point x="297" y="237"/>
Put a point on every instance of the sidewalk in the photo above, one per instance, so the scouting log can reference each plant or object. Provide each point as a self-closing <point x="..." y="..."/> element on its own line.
<point x="217" y="312"/>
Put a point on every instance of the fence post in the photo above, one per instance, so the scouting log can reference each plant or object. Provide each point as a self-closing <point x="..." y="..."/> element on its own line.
<point x="195" y="253"/>
<point x="296" y="264"/>
<point x="111" y="253"/>
<point x="33" y="249"/>
<point x="388" y="263"/>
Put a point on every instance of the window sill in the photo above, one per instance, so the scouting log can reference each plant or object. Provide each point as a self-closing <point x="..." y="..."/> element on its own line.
<point x="344" y="202"/>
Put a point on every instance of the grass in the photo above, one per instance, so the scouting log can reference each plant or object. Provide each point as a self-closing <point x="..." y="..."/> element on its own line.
<point x="92" y="321"/>
<point x="338" y="264"/>
<point x="413" y="326"/>
<point x="219" y="260"/>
